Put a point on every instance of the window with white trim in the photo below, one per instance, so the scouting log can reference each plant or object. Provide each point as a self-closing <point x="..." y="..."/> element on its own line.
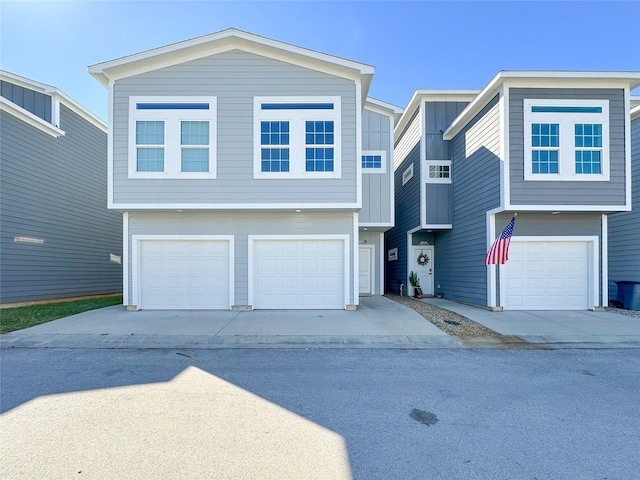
<point x="407" y="174"/>
<point x="438" y="171"/>
<point x="172" y="137"/>
<point x="297" y="137"/>
<point x="374" y="161"/>
<point x="566" y="140"/>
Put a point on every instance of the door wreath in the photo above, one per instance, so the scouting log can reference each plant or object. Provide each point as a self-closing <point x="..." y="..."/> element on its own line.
<point x="422" y="259"/>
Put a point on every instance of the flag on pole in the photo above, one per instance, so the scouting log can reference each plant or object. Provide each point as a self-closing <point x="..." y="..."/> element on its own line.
<point x="499" y="251"/>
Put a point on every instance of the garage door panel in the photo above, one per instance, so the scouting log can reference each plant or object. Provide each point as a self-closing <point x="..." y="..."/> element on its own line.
<point x="293" y="274"/>
<point x="547" y="275"/>
<point x="184" y="274"/>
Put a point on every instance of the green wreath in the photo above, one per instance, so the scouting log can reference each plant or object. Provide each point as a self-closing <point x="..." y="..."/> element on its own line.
<point x="422" y="259"/>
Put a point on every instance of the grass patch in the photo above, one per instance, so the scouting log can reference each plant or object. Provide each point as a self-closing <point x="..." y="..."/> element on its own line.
<point x="12" y="319"/>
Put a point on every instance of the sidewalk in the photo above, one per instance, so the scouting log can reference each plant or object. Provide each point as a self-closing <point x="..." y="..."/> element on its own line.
<point x="378" y="323"/>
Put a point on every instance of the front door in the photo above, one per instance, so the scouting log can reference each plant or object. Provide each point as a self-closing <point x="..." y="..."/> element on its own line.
<point x="365" y="270"/>
<point x="421" y="262"/>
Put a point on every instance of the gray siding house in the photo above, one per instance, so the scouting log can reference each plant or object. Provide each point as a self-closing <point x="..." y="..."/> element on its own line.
<point x="552" y="147"/>
<point x="251" y="174"/>
<point x="624" y="228"/>
<point x="58" y="239"/>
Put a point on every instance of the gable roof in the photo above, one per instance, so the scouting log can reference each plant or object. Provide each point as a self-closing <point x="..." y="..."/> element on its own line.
<point x="384" y="108"/>
<point x="542" y="78"/>
<point x="224" y="41"/>
<point x="56" y="95"/>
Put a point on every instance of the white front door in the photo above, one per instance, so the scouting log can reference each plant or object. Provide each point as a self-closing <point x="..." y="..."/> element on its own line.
<point x="365" y="270"/>
<point x="425" y="272"/>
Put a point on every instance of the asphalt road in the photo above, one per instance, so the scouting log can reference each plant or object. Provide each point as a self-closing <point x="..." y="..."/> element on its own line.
<point x="364" y="414"/>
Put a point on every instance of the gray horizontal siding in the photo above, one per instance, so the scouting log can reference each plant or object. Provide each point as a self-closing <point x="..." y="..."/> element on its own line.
<point x="241" y="225"/>
<point x="35" y="102"/>
<point x="574" y="192"/>
<point x="54" y="189"/>
<point x="624" y="228"/>
<point x="376" y="187"/>
<point x="235" y="78"/>
<point x="460" y="252"/>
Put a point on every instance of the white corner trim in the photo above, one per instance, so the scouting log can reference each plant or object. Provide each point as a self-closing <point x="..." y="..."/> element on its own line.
<point x="356" y="259"/>
<point x="627" y="150"/>
<point x="505" y="168"/>
<point x="125" y="259"/>
<point x="492" y="300"/>
<point x="359" y="180"/>
<point x="110" y="146"/>
<point x="381" y="265"/>
<point x="605" y="260"/>
<point x="392" y="182"/>
<point x="29" y="118"/>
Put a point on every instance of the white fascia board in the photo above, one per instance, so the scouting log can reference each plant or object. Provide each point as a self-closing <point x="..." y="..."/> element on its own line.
<point x="30" y="118"/>
<point x="541" y="79"/>
<point x="56" y="95"/>
<point x="235" y="206"/>
<point x="635" y="112"/>
<point x="564" y="208"/>
<point x="383" y="108"/>
<point x="433" y="96"/>
<point x="220" y="42"/>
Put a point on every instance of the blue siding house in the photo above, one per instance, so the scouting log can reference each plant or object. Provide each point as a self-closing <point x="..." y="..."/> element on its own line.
<point x="553" y="147"/>
<point x="624" y="228"/>
<point x="251" y="174"/>
<point x="58" y="239"/>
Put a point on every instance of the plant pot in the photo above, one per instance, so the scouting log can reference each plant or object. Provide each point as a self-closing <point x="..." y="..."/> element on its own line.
<point x="418" y="292"/>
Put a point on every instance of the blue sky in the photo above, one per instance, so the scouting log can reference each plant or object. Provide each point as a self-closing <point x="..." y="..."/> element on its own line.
<point x="417" y="44"/>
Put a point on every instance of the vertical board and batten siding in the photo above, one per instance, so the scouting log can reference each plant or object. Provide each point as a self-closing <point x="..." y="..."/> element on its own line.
<point x="241" y="225"/>
<point x="624" y="228"/>
<point x="407" y="202"/>
<point x="35" y="102"/>
<point x="53" y="190"/>
<point x="475" y="151"/>
<point x="572" y="192"/>
<point x="235" y="78"/>
<point x="438" y="197"/>
<point x="376" y="187"/>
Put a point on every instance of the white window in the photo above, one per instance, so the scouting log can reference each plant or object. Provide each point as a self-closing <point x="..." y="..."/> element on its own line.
<point x="407" y="174"/>
<point x="297" y="137"/>
<point x="566" y="140"/>
<point x="438" y="171"/>
<point x="172" y="137"/>
<point x="374" y="161"/>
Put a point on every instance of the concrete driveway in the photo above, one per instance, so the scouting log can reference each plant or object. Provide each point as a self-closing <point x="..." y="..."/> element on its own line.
<point x="378" y="322"/>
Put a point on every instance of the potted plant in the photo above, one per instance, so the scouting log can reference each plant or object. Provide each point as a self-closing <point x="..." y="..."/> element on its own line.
<point x="414" y="280"/>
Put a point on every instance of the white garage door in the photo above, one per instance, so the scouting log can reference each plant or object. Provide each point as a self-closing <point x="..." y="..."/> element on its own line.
<point x="547" y="276"/>
<point x="184" y="274"/>
<point x="305" y="274"/>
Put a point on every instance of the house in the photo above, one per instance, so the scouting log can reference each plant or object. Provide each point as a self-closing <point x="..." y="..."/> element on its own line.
<point x="624" y="228"/>
<point x="58" y="239"/>
<point x="552" y="147"/>
<point x="251" y="174"/>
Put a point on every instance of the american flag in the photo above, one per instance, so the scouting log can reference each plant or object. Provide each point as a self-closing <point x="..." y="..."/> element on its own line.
<point x="499" y="251"/>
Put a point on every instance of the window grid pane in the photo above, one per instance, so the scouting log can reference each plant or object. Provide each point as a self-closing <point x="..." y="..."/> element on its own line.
<point x="372" y="161"/>
<point x="439" y="171"/>
<point x="150" y="160"/>
<point x="545" y="140"/>
<point x="544" y="161"/>
<point x="319" y="133"/>
<point x="588" y="135"/>
<point x="275" y="159"/>
<point x="588" y="162"/>
<point x="195" y="160"/>
<point x="149" y="132"/>
<point x="194" y="133"/>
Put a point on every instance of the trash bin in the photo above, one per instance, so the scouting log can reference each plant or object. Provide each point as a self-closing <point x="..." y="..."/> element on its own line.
<point x="629" y="294"/>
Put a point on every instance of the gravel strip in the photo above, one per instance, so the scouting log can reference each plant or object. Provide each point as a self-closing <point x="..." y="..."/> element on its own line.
<point x="445" y="320"/>
<point x="622" y="311"/>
